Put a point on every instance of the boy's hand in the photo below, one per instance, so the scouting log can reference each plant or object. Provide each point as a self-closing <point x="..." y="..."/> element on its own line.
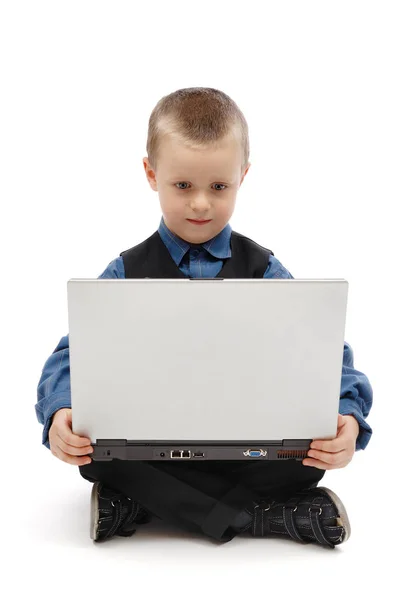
<point x="65" y="444"/>
<point x="336" y="453"/>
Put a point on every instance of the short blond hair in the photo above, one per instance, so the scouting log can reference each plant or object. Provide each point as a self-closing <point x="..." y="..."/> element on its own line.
<point x="198" y="117"/>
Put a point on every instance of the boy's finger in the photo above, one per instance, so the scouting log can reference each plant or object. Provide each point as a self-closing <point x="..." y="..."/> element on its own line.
<point x="73" y="460"/>
<point x="72" y="439"/>
<point x="310" y="462"/>
<point x="74" y="450"/>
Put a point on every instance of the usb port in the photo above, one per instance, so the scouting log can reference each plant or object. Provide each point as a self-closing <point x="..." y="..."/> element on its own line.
<point x="198" y="455"/>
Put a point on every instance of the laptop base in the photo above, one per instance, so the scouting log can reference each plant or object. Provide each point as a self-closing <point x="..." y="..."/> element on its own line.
<point x="197" y="450"/>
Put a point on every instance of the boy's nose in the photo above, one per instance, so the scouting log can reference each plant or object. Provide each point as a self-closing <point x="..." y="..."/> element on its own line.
<point x="201" y="202"/>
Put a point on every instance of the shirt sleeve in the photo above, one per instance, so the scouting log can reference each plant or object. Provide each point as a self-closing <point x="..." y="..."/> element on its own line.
<point x="356" y="397"/>
<point x="275" y="270"/>
<point x="54" y="388"/>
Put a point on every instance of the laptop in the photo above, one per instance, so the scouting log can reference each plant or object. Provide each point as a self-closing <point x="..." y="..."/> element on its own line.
<point x="205" y="369"/>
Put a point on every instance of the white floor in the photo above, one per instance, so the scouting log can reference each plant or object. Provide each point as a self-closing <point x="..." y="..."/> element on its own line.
<point x="48" y="550"/>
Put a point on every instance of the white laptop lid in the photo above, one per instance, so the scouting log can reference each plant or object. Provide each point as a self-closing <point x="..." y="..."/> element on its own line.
<point x="206" y="360"/>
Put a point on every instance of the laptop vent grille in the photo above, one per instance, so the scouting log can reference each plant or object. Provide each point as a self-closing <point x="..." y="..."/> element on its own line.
<point x="292" y="453"/>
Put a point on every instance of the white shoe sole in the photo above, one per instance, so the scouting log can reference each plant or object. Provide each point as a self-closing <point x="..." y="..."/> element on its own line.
<point x="343" y="519"/>
<point x="94" y="522"/>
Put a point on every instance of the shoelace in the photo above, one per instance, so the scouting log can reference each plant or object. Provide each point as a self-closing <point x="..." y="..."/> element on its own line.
<point x="119" y="521"/>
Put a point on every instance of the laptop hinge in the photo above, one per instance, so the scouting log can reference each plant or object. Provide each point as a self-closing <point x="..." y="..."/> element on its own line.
<point x="124" y="442"/>
<point x="295" y="442"/>
<point x="111" y="442"/>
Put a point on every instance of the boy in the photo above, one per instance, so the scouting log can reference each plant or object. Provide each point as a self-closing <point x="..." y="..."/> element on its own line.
<point x="198" y="152"/>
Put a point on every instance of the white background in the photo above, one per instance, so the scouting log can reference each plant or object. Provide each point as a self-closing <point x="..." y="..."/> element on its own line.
<point x="319" y="84"/>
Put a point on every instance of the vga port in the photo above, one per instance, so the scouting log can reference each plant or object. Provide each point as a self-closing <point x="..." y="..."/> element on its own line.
<point x="253" y="453"/>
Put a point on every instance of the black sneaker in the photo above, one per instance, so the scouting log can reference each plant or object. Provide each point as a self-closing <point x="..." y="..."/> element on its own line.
<point x="112" y="513"/>
<point x="311" y="515"/>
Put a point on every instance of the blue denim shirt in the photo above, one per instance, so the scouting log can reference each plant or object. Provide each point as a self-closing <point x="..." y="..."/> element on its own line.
<point x="196" y="260"/>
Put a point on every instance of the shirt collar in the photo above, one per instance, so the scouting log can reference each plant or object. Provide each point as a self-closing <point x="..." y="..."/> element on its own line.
<point x="218" y="246"/>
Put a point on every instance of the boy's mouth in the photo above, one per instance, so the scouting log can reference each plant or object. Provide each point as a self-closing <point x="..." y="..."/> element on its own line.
<point x="197" y="222"/>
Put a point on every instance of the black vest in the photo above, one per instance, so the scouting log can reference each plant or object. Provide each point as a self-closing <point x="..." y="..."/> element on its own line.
<point x="152" y="259"/>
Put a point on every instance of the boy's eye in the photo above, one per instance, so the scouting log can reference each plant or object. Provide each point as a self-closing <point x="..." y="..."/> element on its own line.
<point x="185" y="183"/>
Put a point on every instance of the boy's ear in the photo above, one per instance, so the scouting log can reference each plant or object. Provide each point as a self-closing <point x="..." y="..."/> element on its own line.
<point x="245" y="172"/>
<point x="150" y="174"/>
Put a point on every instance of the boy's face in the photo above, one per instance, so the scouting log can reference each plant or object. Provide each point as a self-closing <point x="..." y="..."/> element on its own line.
<point x="197" y="184"/>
